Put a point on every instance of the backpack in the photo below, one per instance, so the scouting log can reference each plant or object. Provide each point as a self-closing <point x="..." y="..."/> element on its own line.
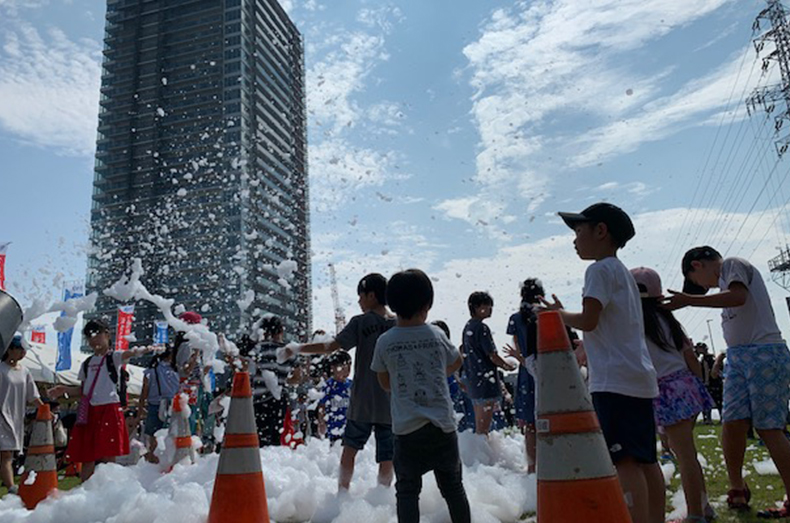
<point x="120" y="385"/>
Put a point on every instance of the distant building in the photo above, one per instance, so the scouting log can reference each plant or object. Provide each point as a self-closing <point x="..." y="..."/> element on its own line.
<point x="201" y="163"/>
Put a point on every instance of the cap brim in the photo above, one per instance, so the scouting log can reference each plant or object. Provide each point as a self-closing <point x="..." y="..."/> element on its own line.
<point x="689" y="287"/>
<point x="572" y="219"/>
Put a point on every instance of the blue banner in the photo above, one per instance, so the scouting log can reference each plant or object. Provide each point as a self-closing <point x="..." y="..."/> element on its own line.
<point x="64" y="338"/>
<point x="160" y="333"/>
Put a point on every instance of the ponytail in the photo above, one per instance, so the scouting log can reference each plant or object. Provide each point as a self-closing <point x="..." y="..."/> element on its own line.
<point x="654" y="331"/>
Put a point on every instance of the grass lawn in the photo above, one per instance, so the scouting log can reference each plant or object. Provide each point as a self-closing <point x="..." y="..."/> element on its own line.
<point x="766" y="489"/>
<point x="63" y="484"/>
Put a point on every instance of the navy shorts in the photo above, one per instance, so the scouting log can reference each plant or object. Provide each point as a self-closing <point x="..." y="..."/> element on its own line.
<point x="357" y="434"/>
<point x="628" y="425"/>
<point x="152" y="421"/>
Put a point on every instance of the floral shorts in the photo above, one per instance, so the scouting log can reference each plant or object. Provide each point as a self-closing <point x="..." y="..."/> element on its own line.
<point x="757" y="385"/>
<point x="681" y="396"/>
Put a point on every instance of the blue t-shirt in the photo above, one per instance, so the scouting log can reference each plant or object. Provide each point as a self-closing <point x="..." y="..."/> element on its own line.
<point x="480" y="373"/>
<point x="336" y="398"/>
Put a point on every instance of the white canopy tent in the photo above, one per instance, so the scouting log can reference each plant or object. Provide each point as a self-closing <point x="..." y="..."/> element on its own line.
<point x="40" y="361"/>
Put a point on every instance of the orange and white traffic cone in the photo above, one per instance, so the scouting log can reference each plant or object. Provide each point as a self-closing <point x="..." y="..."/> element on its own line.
<point x="41" y="474"/>
<point x="576" y="478"/>
<point x="239" y="491"/>
<point x="182" y="435"/>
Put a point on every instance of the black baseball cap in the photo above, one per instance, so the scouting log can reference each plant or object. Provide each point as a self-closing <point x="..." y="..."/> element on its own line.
<point x="704" y="252"/>
<point x="617" y="221"/>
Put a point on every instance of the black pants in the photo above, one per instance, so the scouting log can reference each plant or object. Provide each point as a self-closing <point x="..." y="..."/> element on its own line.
<point x="426" y="449"/>
<point x="270" y="420"/>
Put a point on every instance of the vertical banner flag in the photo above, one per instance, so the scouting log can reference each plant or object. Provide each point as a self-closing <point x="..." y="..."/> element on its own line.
<point x="73" y="291"/>
<point x="124" y="328"/>
<point x="160" y="332"/>
<point x="3" y="249"/>
<point x="38" y="334"/>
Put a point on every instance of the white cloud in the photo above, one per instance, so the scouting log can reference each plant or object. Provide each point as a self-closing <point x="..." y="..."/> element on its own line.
<point x="49" y="89"/>
<point x="668" y="115"/>
<point x="342" y="63"/>
<point x="337" y="169"/>
<point x="550" y="77"/>
<point x="334" y="80"/>
<point x="12" y="7"/>
<point x="554" y="261"/>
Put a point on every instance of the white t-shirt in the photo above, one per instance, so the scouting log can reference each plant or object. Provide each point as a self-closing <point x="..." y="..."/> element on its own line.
<point x="617" y="354"/>
<point x="753" y="322"/>
<point x="17" y="389"/>
<point x="666" y="361"/>
<point x="105" y="392"/>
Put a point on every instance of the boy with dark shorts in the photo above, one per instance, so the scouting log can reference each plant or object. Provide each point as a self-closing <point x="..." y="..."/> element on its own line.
<point x="413" y="360"/>
<point x="757" y="388"/>
<point x="622" y="379"/>
<point x="369" y="409"/>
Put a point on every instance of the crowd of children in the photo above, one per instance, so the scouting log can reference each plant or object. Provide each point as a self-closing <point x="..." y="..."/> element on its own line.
<point x="413" y="390"/>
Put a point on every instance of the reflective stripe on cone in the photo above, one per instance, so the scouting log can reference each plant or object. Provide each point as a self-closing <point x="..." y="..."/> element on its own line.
<point x="576" y="478"/>
<point x="239" y="492"/>
<point x="40" y="460"/>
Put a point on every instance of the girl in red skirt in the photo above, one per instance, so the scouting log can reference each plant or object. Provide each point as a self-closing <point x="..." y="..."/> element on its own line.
<point x="103" y="436"/>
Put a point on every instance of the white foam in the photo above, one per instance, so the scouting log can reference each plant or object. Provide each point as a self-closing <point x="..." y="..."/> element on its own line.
<point x="301" y="485"/>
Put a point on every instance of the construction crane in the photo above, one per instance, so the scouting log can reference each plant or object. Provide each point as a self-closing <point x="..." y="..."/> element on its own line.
<point x="340" y="317"/>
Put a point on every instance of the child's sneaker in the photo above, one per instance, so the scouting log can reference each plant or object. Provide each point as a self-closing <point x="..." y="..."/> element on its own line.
<point x="776" y="513"/>
<point x="14" y="489"/>
<point x="690" y="519"/>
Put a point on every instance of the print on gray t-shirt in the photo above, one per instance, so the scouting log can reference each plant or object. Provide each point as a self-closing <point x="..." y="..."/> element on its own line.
<point x="369" y="402"/>
<point x="416" y="359"/>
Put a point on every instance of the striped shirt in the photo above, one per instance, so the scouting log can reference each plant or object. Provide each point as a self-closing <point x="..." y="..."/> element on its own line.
<point x="266" y="372"/>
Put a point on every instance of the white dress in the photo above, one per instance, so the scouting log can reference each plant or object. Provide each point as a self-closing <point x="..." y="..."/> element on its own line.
<point x="17" y="389"/>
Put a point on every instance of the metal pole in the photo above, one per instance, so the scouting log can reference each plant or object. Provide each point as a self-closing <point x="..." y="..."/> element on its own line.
<point x="710" y="336"/>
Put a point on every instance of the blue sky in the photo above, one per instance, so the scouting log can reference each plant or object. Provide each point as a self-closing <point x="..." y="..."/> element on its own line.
<point x="445" y="135"/>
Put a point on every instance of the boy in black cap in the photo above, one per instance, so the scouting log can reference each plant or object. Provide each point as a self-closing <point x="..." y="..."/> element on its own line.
<point x="622" y="378"/>
<point x="757" y="387"/>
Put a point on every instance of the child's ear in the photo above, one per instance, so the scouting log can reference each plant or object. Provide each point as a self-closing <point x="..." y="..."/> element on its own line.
<point x="601" y="230"/>
<point x="696" y="265"/>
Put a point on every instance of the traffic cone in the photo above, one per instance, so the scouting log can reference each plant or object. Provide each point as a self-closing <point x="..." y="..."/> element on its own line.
<point x="181" y="432"/>
<point x="239" y="492"/>
<point x="39" y="461"/>
<point x="576" y="478"/>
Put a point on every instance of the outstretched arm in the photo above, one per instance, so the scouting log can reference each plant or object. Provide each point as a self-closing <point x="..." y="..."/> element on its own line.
<point x="735" y="296"/>
<point x="586" y="320"/>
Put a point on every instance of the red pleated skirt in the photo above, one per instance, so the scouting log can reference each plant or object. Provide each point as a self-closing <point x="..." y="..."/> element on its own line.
<point x="104" y="436"/>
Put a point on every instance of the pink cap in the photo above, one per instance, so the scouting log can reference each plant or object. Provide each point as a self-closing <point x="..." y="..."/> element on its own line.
<point x="191" y="317"/>
<point x="650" y="280"/>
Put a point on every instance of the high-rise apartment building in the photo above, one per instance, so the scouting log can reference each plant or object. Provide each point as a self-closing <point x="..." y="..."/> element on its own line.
<point x="201" y="163"/>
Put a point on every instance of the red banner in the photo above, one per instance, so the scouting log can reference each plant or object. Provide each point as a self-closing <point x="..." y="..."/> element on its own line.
<point x="124" y="328"/>
<point x="3" y="249"/>
<point x="39" y="335"/>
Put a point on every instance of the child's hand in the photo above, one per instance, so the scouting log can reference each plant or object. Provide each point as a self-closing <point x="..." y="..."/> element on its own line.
<point x="509" y="366"/>
<point x="513" y="353"/>
<point x="678" y="300"/>
<point x="549" y="306"/>
<point x="55" y="392"/>
<point x="580" y="353"/>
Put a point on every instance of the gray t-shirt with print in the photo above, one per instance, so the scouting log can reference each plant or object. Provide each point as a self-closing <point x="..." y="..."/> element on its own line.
<point x="369" y="402"/>
<point x="416" y="359"/>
